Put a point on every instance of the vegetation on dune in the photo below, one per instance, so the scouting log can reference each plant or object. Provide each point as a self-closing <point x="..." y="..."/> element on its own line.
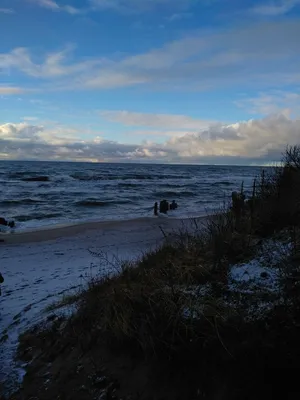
<point x="176" y="325"/>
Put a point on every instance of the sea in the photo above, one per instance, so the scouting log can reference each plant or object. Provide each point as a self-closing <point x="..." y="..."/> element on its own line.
<point x="43" y="194"/>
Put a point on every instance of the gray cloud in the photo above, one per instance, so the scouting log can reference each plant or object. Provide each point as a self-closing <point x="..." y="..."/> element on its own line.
<point x="244" y="142"/>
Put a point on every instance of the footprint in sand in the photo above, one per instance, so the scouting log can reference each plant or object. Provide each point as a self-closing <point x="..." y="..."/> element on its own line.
<point x="24" y="286"/>
<point x="27" y="308"/>
<point x="17" y="317"/>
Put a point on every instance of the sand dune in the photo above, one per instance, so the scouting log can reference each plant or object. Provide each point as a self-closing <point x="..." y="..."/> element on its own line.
<point x="40" y="266"/>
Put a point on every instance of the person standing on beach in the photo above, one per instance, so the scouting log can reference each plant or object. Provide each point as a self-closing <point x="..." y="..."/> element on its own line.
<point x="1" y="281"/>
<point x="156" y="208"/>
<point x="164" y="207"/>
<point x="173" y="205"/>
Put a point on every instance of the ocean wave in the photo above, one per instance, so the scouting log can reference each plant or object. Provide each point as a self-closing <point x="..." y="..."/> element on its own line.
<point x="28" y="202"/>
<point x="170" y="193"/>
<point x="82" y="177"/>
<point x="98" y="203"/>
<point x="20" y="174"/>
<point x="128" y="185"/>
<point x="36" y="179"/>
<point x="222" y="183"/>
<point x="38" y="216"/>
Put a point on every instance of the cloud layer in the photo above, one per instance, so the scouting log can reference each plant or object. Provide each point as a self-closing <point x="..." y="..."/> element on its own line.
<point x="276" y="8"/>
<point x="162" y="121"/>
<point x="123" y="6"/>
<point x="55" y="6"/>
<point x="257" y="141"/>
<point x="9" y="90"/>
<point x="262" y="55"/>
<point x="137" y="6"/>
<point x="7" y="11"/>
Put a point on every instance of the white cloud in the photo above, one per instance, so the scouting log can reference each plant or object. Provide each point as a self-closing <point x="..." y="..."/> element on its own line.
<point x="271" y="102"/>
<point x="54" y="65"/>
<point x="179" y="16"/>
<point x="10" y="90"/>
<point x="30" y="118"/>
<point x="7" y="11"/>
<point x="136" y="6"/>
<point x="19" y="132"/>
<point x="162" y="121"/>
<point x="260" y="140"/>
<point x="275" y="8"/>
<point x="261" y="55"/>
<point x="54" y="6"/>
<point x="159" y="132"/>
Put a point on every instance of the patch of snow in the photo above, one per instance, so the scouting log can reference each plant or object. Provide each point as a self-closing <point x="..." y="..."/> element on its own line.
<point x="253" y="273"/>
<point x="262" y="271"/>
<point x="197" y="290"/>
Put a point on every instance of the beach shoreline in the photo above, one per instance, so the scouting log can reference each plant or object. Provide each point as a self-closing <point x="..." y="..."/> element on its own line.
<point x="55" y="232"/>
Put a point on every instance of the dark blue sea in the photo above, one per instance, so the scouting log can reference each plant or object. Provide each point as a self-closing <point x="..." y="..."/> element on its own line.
<point x="38" y="194"/>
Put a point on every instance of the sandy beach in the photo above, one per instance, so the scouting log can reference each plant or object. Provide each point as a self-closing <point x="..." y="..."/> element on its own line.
<point x="98" y="228"/>
<point x="41" y="266"/>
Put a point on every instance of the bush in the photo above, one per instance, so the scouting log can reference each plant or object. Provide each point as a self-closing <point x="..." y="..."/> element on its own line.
<point x="276" y="204"/>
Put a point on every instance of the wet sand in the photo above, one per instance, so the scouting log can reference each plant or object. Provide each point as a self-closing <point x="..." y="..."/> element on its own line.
<point x="61" y="231"/>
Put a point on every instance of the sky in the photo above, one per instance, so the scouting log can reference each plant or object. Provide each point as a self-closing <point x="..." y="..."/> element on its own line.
<point x="151" y="81"/>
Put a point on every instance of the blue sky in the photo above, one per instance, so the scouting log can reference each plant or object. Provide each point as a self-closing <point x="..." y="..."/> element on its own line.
<point x="192" y="81"/>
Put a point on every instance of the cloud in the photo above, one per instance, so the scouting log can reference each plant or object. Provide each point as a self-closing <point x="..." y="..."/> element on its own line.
<point x="7" y="11"/>
<point x="10" y="90"/>
<point x="271" y="102"/>
<point x="259" y="141"/>
<point x="137" y="6"/>
<point x="276" y="8"/>
<point x="162" y="121"/>
<point x="30" y="119"/>
<point x="179" y="16"/>
<point x="53" y="66"/>
<point x="261" y="55"/>
<point x="54" y="6"/>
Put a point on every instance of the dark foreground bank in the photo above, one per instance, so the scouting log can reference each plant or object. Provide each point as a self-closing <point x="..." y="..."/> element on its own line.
<point x="212" y="314"/>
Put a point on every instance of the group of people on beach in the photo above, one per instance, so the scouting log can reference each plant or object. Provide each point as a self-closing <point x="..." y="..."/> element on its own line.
<point x="4" y="222"/>
<point x="164" y="207"/>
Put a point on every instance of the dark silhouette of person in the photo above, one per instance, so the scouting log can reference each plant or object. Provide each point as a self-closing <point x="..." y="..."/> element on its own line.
<point x="173" y="205"/>
<point x="1" y="281"/>
<point x="163" y="207"/>
<point x="167" y="206"/>
<point x="4" y="222"/>
<point x="156" y="208"/>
